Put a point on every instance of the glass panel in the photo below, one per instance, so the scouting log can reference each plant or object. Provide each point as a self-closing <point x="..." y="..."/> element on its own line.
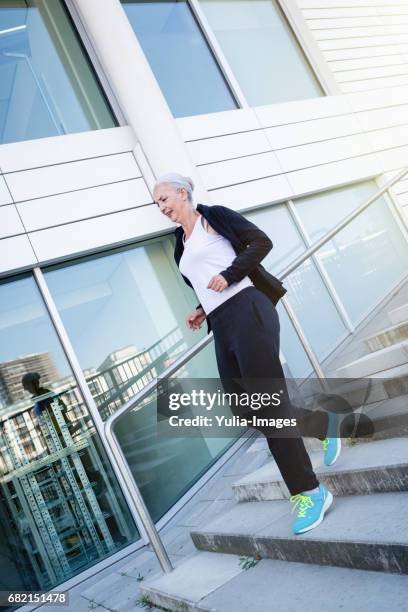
<point x="306" y="291"/>
<point x="47" y="86"/>
<point x="371" y="250"/>
<point x="165" y="468"/>
<point x="125" y="315"/>
<point x="179" y="56"/>
<point x="261" y="50"/>
<point x="61" y="509"/>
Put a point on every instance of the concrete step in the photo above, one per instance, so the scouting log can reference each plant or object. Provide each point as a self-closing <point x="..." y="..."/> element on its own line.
<point x="399" y="315"/>
<point x="379" y="362"/>
<point x="360" y="532"/>
<point x="376" y="467"/>
<point x="387" y="337"/>
<point x="385" y="385"/>
<point x="211" y="583"/>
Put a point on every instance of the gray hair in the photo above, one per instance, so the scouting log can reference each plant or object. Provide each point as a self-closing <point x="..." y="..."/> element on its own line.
<point x="177" y="181"/>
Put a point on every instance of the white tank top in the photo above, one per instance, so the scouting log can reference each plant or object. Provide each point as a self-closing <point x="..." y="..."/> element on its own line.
<point x="204" y="256"/>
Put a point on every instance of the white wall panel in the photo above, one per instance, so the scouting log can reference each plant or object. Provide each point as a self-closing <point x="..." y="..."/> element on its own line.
<point x="320" y="153"/>
<point x="352" y="9"/>
<point x="16" y="253"/>
<point x="350" y="65"/>
<point x="5" y="197"/>
<point x="374" y="84"/>
<point x="363" y="42"/>
<point x="254" y="193"/>
<point x="50" y="180"/>
<point x="228" y="147"/>
<point x="371" y="73"/>
<point x="387" y="51"/>
<point x="302" y="110"/>
<point x="313" y="131"/>
<point x="336" y="4"/>
<point x="354" y="22"/>
<point x="361" y="30"/>
<point x="240" y="170"/>
<point x="217" y="124"/>
<point x="389" y="138"/>
<point x="375" y="31"/>
<point x="393" y="159"/>
<point x="379" y="99"/>
<point x="339" y="173"/>
<point x="69" y="207"/>
<point x="96" y="233"/>
<point x="10" y="222"/>
<point x="63" y="149"/>
<point x="383" y="117"/>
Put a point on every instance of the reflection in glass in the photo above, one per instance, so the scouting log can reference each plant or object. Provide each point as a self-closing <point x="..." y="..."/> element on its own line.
<point x="262" y="51"/>
<point x="125" y="315"/>
<point x="371" y="251"/>
<point x="47" y="84"/>
<point x="306" y="291"/>
<point x="179" y="56"/>
<point x="60" y="507"/>
<point x="165" y="468"/>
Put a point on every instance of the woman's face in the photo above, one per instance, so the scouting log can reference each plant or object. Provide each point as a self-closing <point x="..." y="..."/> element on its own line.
<point x="171" y="202"/>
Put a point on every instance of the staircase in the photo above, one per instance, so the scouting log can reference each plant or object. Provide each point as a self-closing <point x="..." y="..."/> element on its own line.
<point x="357" y="558"/>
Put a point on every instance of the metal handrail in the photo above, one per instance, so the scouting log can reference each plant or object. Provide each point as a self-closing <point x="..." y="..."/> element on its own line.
<point x="111" y="439"/>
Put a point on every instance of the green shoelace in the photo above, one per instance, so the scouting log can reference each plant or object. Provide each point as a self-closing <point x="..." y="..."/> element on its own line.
<point x="325" y="443"/>
<point x="303" y="501"/>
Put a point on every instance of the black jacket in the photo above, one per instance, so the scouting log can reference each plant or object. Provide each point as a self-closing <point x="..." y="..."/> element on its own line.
<point x="249" y="243"/>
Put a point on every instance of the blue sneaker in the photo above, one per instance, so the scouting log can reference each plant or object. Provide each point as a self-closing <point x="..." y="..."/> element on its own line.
<point x="332" y="448"/>
<point x="311" y="509"/>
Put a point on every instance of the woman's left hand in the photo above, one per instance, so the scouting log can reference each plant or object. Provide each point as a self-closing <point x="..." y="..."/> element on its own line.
<point x="218" y="283"/>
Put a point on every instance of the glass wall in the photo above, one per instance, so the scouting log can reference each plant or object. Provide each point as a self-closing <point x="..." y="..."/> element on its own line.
<point x="306" y="291"/>
<point x="47" y="85"/>
<point x="179" y="56"/>
<point x="125" y="316"/>
<point x="61" y="509"/>
<point x="262" y="51"/>
<point x="371" y="248"/>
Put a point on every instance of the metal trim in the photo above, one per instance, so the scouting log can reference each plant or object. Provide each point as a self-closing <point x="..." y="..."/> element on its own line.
<point x="96" y="64"/>
<point x="341" y="310"/>
<point x="218" y="53"/>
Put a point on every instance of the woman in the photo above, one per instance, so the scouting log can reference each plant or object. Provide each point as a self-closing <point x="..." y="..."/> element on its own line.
<point x="218" y="252"/>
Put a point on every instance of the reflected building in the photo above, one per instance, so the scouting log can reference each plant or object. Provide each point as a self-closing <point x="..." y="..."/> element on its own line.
<point x="11" y="373"/>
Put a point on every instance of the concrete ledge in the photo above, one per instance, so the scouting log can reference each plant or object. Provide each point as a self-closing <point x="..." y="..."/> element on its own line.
<point x="380" y="361"/>
<point x="387" y="337"/>
<point x="399" y="315"/>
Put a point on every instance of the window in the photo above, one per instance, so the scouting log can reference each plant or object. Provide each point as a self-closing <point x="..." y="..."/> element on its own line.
<point x="262" y="51"/>
<point x="370" y="253"/>
<point x="61" y="509"/>
<point x="179" y="56"/>
<point x="47" y="86"/>
<point x="125" y="315"/>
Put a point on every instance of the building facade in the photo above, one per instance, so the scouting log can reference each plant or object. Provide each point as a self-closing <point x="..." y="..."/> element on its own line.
<point x="293" y="112"/>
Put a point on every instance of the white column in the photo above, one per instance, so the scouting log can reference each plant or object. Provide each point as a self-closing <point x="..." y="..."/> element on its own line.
<point x="137" y="91"/>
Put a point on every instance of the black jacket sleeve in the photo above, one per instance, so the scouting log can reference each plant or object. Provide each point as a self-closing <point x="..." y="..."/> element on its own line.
<point x="258" y="244"/>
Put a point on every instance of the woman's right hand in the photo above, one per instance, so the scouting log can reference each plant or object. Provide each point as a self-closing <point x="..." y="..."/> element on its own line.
<point x="195" y="319"/>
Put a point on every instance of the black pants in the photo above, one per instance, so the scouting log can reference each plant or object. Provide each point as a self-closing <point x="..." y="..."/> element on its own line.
<point x="246" y="337"/>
